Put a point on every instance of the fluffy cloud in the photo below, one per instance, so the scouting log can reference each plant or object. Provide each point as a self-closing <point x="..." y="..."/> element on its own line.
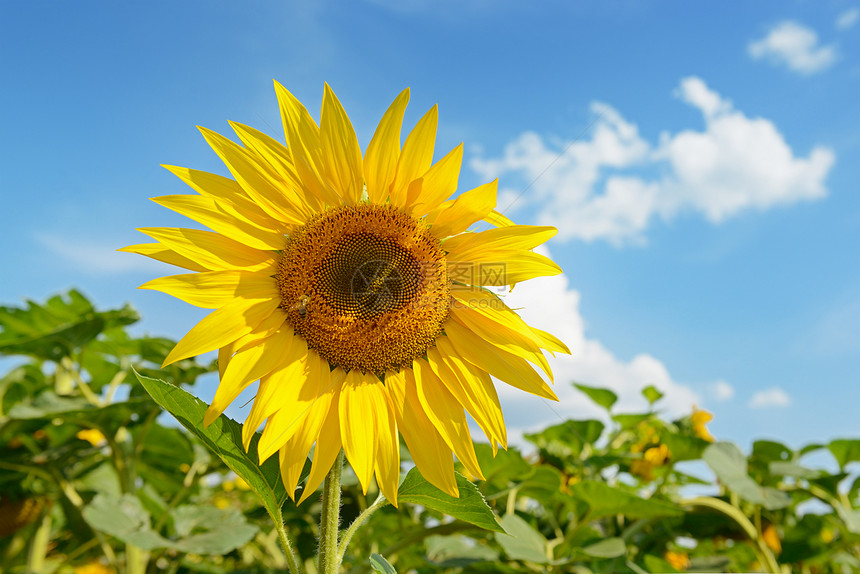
<point x="721" y="391"/>
<point x="550" y="304"/>
<point x="847" y="19"/>
<point x="769" y="398"/>
<point x="790" y="44"/>
<point x="613" y="185"/>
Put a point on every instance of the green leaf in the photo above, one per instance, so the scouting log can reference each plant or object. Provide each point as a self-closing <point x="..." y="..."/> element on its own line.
<point x="631" y="420"/>
<point x="210" y="530"/>
<point x="522" y="542"/>
<point x="457" y="551"/>
<point x="608" y="548"/>
<point x="470" y="507"/>
<point x="224" y="438"/>
<point x="605" y="500"/>
<point x="652" y="394"/>
<point x="683" y="446"/>
<point x="57" y="328"/>
<point x="566" y="439"/>
<point x="125" y="518"/>
<point x="381" y="565"/>
<point x="845" y="451"/>
<point x="730" y="466"/>
<point x="603" y="397"/>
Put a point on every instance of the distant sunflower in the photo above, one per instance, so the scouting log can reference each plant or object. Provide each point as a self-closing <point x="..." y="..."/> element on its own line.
<point x="351" y="289"/>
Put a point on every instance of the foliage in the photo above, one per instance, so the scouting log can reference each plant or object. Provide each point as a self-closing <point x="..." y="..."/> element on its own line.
<point x="94" y="478"/>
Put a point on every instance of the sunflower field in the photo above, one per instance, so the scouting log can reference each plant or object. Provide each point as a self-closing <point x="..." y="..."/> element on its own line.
<point x="95" y="477"/>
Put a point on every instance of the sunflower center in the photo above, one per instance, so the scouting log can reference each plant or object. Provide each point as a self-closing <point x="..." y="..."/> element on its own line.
<point x="366" y="286"/>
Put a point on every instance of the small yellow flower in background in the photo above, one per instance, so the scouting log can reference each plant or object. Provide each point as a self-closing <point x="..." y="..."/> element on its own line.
<point x="184" y="467"/>
<point x="652" y="458"/>
<point x="648" y="436"/>
<point x="92" y="436"/>
<point x="678" y="560"/>
<point x="228" y="486"/>
<point x="771" y="538"/>
<point x="348" y="285"/>
<point x="241" y="484"/>
<point x="221" y="501"/>
<point x="827" y="535"/>
<point x="700" y="418"/>
<point x="94" y="567"/>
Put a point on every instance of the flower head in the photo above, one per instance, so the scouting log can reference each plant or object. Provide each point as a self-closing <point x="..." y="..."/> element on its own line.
<point x="350" y="286"/>
<point x="699" y="419"/>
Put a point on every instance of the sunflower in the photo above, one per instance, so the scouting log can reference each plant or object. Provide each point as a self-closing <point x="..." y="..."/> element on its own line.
<point x="351" y="288"/>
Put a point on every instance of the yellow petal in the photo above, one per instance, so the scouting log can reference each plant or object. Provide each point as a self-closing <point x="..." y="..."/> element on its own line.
<point x="224" y="219"/>
<point x="497" y="219"/>
<point x="247" y="366"/>
<point x="428" y="450"/>
<point x="278" y="157"/>
<point x="263" y="331"/>
<point x="500" y="267"/>
<point x="500" y="336"/>
<point x="447" y="415"/>
<point x="258" y="181"/>
<point x="416" y="157"/>
<point x="212" y="250"/>
<point x="302" y="441"/>
<point x="387" y="463"/>
<point x="296" y="395"/>
<point x="221" y="327"/>
<point x="549" y="342"/>
<point x="502" y="238"/>
<point x="500" y="364"/>
<point x="456" y="216"/>
<point x="328" y="442"/>
<point x="341" y="155"/>
<point x="493" y="308"/>
<point x="212" y="289"/>
<point x="225" y="190"/>
<point x="472" y="387"/>
<point x="303" y="139"/>
<point x="161" y="253"/>
<point x="380" y="159"/>
<point x="292" y="370"/>
<point x="440" y="183"/>
<point x="360" y="398"/>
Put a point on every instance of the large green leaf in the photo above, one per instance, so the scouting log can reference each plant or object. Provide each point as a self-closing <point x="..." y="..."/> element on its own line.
<point x="845" y="451"/>
<point x="199" y="529"/>
<point x="57" y="328"/>
<point x="469" y="507"/>
<point x="224" y="438"/>
<point x="605" y="500"/>
<point x="522" y="542"/>
<point x="730" y="466"/>
<point x="603" y="397"/>
<point x="606" y="548"/>
<point x="210" y="530"/>
<point x="125" y="518"/>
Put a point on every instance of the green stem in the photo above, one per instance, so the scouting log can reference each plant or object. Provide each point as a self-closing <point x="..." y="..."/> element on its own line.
<point x="292" y="559"/>
<point x="329" y="562"/>
<point x="356" y="524"/>
<point x="39" y="546"/>
<point x="764" y="554"/>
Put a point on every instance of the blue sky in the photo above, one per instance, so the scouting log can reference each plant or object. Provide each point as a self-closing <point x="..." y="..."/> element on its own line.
<point x="701" y="164"/>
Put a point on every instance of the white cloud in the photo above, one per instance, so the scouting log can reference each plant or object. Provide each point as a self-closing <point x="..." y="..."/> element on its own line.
<point x="550" y="304"/>
<point x="769" y="398"/>
<point x="613" y="185"/>
<point x="847" y="19"/>
<point x="721" y="391"/>
<point x="793" y="45"/>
